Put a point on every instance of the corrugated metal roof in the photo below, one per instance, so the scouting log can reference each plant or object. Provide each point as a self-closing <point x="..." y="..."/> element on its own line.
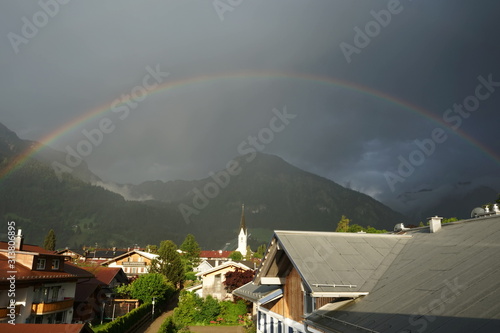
<point x="448" y="281"/>
<point x="351" y="262"/>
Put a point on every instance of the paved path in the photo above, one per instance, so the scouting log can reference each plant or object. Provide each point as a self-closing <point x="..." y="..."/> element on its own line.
<point x="155" y="325"/>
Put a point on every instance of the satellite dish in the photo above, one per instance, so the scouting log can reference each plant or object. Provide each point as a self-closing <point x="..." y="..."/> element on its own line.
<point x="478" y="211"/>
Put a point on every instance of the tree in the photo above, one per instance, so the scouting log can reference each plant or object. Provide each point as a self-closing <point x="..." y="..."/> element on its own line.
<point x="356" y="228"/>
<point x="150" y="285"/>
<point x="237" y="278"/>
<point x="210" y="309"/>
<point x="152" y="248"/>
<point x="192" y="251"/>
<point x="169" y="263"/>
<point x="343" y="225"/>
<point x="187" y="310"/>
<point x="249" y="254"/>
<point x="261" y="251"/>
<point x="236" y="256"/>
<point x="50" y="241"/>
<point x="168" y="326"/>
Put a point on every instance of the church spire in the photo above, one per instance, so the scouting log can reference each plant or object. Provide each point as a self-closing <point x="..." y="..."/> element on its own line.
<point x="242" y="223"/>
<point x="242" y="236"/>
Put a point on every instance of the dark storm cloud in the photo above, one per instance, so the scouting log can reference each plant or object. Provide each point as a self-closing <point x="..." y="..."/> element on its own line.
<point x="91" y="53"/>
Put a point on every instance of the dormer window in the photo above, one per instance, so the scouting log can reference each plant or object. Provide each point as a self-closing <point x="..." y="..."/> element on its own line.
<point x="55" y="264"/>
<point x="40" y="264"/>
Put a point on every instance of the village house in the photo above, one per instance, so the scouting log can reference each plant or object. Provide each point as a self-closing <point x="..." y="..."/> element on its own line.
<point x="75" y="255"/>
<point x="440" y="278"/>
<point x="45" y="284"/>
<point x="94" y="297"/>
<point x="101" y="255"/>
<point x="215" y="257"/>
<point x="133" y="263"/>
<point x="213" y="279"/>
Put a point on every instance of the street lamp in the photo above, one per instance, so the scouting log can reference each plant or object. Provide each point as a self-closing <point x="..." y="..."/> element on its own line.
<point x="153" y="311"/>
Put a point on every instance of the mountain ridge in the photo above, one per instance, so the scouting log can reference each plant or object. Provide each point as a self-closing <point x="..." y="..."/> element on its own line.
<point x="276" y="194"/>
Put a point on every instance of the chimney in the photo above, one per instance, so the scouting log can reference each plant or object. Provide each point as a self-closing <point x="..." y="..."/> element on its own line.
<point x="435" y="223"/>
<point x="19" y="240"/>
<point x="496" y="209"/>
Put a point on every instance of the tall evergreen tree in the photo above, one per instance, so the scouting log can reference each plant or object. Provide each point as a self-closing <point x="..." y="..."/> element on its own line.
<point x="50" y="241"/>
<point x="191" y="250"/>
<point x="169" y="263"/>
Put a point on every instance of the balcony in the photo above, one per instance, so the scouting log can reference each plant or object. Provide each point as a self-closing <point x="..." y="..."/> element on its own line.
<point x="44" y="308"/>
<point x="4" y="311"/>
<point x="134" y="264"/>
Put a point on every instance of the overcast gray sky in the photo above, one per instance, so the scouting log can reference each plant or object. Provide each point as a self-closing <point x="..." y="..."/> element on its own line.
<point x="239" y="60"/>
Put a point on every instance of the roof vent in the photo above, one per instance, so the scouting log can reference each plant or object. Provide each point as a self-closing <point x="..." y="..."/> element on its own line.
<point x="400" y="227"/>
<point x="435" y="223"/>
<point x="476" y="212"/>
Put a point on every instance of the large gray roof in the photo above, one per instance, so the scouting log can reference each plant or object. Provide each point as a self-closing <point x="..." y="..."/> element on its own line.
<point x="353" y="261"/>
<point x="448" y="281"/>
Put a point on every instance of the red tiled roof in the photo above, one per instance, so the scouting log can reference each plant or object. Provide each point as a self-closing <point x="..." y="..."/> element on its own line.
<point x="105" y="275"/>
<point x="24" y="273"/>
<point x="83" y="291"/>
<point x="45" y="328"/>
<point x="215" y="254"/>
<point x="28" y="248"/>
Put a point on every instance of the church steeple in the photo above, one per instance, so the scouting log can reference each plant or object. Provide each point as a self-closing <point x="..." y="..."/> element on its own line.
<point x="242" y="222"/>
<point x="242" y="235"/>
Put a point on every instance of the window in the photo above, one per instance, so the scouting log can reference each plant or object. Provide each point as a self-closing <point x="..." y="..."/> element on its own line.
<point x="55" y="264"/>
<point x="309" y="303"/>
<point x="55" y="294"/>
<point x="41" y="295"/>
<point x="218" y="283"/>
<point x="60" y="317"/>
<point x="40" y="263"/>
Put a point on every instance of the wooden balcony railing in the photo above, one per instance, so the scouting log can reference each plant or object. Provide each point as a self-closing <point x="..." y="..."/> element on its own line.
<point x="4" y="311"/>
<point x="43" y="308"/>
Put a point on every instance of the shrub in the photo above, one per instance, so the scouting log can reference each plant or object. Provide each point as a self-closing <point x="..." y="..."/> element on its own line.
<point x="168" y="326"/>
<point x="121" y="324"/>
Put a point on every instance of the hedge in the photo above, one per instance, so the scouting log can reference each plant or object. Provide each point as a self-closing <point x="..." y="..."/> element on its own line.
<point x="123" y="323"/>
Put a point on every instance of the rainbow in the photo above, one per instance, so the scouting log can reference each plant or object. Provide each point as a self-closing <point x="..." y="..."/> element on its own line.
<point x="169" y="85"/>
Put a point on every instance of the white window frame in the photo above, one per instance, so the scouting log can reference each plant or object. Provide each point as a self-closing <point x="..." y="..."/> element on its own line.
<point x="40" y="263"/>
